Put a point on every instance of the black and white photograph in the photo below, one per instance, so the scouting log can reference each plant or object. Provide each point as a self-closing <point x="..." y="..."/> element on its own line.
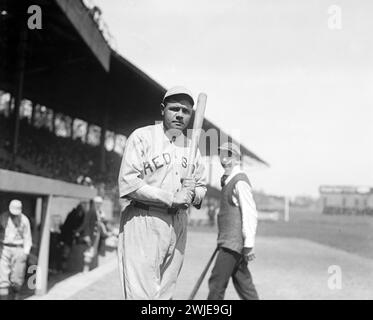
<point x="186" y="150"/>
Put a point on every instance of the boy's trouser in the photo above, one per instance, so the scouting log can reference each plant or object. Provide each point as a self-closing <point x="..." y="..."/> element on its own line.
<point x="12" y="268"/>
<point x="151" y="251"/>
<point x="231" y="264"/>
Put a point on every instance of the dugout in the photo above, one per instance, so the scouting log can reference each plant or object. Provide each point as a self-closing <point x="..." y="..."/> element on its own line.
<point x="39" y="196"/>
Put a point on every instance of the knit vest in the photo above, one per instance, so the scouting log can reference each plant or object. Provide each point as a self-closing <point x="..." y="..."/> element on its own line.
<point x="229" y="217"/>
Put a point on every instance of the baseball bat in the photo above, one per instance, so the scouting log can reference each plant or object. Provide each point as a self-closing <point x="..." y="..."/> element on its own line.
<point x="202" y="276"/>
<point x="197" y="127"/>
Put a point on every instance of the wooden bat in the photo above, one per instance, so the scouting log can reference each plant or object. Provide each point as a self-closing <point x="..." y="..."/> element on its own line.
<point x="202" y="276"/>
<point x="197" y="127"/>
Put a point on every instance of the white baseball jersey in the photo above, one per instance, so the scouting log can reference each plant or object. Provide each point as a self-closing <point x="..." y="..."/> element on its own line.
<point x="156" y="158"/>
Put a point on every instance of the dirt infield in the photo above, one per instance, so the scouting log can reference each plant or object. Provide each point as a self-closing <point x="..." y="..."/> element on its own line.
<point x="285" y="268"/>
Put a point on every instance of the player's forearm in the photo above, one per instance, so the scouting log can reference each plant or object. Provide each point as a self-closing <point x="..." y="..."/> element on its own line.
<point x="27" y="246"/>
<point x="151" y="194"/>
<point x="27" y="243"/>
<point x="27" y="249"/>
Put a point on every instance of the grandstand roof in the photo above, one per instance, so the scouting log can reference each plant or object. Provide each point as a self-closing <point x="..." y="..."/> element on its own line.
<point x="69" y="69"/>
<point x="327" y="189"/>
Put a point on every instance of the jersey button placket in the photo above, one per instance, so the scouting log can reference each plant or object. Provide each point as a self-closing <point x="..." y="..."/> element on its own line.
<point x="174" y="177"/>
<point x="177" y="169"/>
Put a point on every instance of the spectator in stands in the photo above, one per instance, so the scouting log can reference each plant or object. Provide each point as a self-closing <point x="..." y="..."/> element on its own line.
<point x="43" y="153"/>
<point x="15" y="246"/>
<point x="85" y="181"/>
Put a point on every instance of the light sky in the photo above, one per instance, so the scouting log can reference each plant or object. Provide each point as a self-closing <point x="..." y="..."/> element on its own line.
<point x="299" y="93"/>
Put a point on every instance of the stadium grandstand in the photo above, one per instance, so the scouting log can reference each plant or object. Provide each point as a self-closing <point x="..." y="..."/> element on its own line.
<point x="68" y="101"/>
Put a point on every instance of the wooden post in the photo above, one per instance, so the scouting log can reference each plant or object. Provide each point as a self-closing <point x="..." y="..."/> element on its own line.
<point x="87" y="133"/>
<point x="43" y="259"/>
<point x="32" y="120"/>
<point x="72" y="128"/>
<point x="102" y="143"/>
<point x="287" y="210"/>
<point x="115" y="141"/>
<point x="20" y="72"/>
<point x="38" y="216"/>
<point x="10" y="105"/>
<point x="53" y="127"/>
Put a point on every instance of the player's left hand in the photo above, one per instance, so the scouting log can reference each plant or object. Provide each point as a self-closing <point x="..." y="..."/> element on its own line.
<point x="248" y="254"/>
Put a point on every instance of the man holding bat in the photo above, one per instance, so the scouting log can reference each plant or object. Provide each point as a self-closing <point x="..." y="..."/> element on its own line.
<point x="160" y="177"/>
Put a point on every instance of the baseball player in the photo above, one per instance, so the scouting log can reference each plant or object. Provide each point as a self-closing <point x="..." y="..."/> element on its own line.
<point x="237" y="221"/>
<point x="155" y="193"/>
<point x="15" y="246"/>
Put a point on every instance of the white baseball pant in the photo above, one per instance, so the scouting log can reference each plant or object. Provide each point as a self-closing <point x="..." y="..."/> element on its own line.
<point x="151" y="250"/>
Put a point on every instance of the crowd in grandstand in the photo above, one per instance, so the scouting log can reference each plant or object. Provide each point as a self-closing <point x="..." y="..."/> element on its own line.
<point x="57" y="157"/>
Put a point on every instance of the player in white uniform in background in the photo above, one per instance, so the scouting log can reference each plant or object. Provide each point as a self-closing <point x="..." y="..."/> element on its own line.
<point x="155" y="194"/>
<point x="15" y="246"/>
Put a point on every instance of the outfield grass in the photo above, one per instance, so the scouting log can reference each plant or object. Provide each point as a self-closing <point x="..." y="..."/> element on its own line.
<point x="353" y="234"/>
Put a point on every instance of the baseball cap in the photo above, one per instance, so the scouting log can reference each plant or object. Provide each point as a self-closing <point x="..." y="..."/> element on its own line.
<point x="178" y="90"/>
<point x="15" y="207"/>
<point x="98" y="199"/>
<point x="229" y="146"/>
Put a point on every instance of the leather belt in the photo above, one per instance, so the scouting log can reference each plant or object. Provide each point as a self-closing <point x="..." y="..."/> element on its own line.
<point x="12" y="245"/>
<point x="146" y="207"/>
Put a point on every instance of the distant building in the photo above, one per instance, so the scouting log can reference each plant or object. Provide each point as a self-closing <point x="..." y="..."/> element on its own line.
<point x="268" y="203"/>
<point x="346" y="200"/>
